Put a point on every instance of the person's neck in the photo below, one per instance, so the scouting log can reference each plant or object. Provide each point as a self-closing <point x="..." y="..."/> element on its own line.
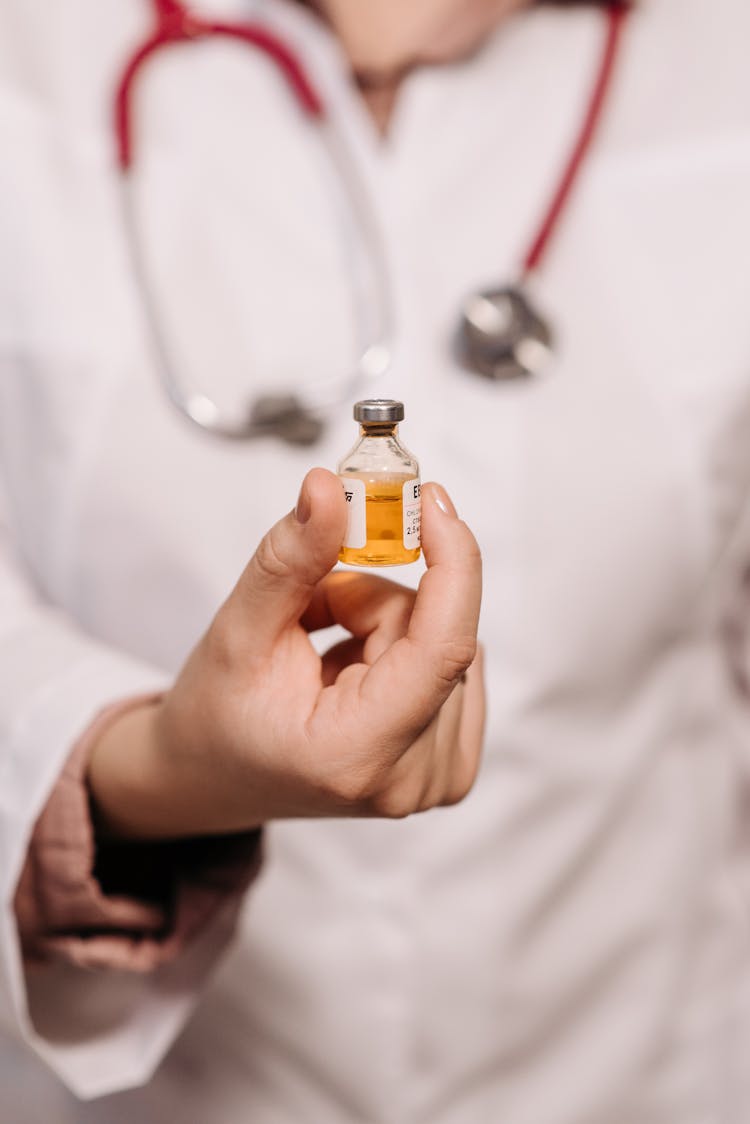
<point x="385" y="41"/>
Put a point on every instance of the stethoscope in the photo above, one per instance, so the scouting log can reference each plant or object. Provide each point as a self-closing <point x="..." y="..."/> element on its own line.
<point x="501" y="334"/>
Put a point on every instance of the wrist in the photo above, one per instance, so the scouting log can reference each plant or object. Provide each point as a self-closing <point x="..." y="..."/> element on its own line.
<point x="129" y="791"/>
<point x="144" y="786"/>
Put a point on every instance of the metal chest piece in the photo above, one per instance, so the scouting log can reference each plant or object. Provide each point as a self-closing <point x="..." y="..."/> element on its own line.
<point x="501" y="336"/>
<point x="284" y="416"/>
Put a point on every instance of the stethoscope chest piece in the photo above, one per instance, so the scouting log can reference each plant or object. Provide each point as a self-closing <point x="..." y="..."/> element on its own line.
<point x="502" y="336"/>
<point x="284" y="416"/>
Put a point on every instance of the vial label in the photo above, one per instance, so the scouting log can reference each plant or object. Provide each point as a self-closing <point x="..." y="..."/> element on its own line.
<point x="412" y="507"/>
<point x="356" y="527"/>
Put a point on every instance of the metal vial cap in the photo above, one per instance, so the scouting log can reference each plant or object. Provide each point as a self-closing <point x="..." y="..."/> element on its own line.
<point x="378" y="410"/>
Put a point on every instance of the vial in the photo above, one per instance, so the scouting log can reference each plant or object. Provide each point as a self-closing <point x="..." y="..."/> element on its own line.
<point x="382" y="488"/>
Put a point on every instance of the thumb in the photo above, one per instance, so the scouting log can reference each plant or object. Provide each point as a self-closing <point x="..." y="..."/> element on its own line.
<point x="276" y="586"/>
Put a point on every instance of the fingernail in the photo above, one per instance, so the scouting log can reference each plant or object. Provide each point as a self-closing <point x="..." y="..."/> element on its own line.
<point x="443" y="501"/>
<point x="303" y="510"/>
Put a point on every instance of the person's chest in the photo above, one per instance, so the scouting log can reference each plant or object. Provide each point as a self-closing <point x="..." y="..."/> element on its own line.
<point x="615" y="479"/>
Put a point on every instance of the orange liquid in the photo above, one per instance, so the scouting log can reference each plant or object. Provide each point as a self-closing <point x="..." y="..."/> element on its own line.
<point x="384" y="510"/>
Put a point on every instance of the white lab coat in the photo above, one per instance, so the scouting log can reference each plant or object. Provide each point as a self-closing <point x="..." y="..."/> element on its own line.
<point x="571" y="945"/>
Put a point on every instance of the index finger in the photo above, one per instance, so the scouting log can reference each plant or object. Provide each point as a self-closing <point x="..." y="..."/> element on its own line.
<point x="417" y="673"/>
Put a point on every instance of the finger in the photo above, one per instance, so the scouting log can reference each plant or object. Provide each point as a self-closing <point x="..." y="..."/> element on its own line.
<point x="459" y="731"/>
<point x="447" y="748"/>
<point x="360" y="603"/>
<point x="450" y="592"/>
<point x="432" y="756"/>
<point x="278" y="582"/>
<point x="375" y="609"/>
<point x="340" y="656"/>
<point x="390" y="620"/>
<point x="421" y="777"/>
<point x="441" y="765"/>
<point x="470" y="733"/>
<point x="417" y="673"/>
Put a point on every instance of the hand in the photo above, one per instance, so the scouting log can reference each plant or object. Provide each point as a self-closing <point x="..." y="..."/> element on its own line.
<point x="258" y="726"/>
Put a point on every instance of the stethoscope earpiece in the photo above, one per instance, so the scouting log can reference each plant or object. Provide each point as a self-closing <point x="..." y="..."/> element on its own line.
<point x="502" y="337"/>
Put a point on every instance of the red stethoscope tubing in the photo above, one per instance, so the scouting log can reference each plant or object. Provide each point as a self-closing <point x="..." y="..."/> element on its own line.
<point x="616" y="15"/>
<point x="176" y="24"/>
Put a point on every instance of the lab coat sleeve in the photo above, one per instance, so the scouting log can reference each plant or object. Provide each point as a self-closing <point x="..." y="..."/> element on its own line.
<point x="109" y="903"/>
<point x="99" y="1031"/>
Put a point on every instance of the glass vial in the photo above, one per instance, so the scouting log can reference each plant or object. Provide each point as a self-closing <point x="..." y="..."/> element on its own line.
<point x="381" y="483"/>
